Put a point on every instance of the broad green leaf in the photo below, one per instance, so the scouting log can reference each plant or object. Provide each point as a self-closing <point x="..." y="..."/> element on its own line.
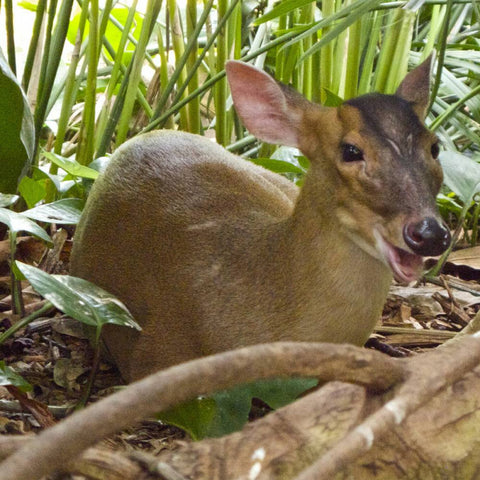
<point x="278" y="392"/>
<point x="8" y="199"/>
<point x="195" y="417"/>
<point x="447" y="204"/>
<point x="113" y="32"/>
<point x="17" y="222"/>
<point x="66" y="211"/>
<point x="78" y="298"/>
<point x="9" y="377"/>
<point x="44" y="175"/>
<point x="233" y="407"/>
<point x="461" y="174"/>
<point x="230" y="409"/>
<point x="71" y="166"/>
<point x="32" y="191"/>
<point x="100" y="164"/>
<point x="17" y="139"/>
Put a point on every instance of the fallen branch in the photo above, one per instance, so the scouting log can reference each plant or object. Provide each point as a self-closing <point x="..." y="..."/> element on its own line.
<point x="58" y="445"/>
<point x="425" y="427"/>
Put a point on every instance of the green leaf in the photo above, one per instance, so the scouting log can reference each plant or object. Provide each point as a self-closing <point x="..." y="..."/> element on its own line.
<point x="230" y="409"/>
<point x="447" y="204"/>
<point x="9" y="377"/>
<point x="331" y="99"/>
<point x="78" y="298"/>
<point x="17" y="222"/>
<point x="8" y="199"/>
<point x="281" y="8"/>
<point x="71" y="166"/>
<point x="278" y="166"/>
<point x="461" y="175"/>
<point x="279" y="392"/>
<point x="31" y="6"/>
<point x="32" y="191"/>
<point x="17" y="140"/>
<point x="66" y="211"/>
<point x="194" y="416"/>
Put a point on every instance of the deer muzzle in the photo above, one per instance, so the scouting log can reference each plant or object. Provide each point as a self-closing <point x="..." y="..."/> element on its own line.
<point x="427" y="237"/>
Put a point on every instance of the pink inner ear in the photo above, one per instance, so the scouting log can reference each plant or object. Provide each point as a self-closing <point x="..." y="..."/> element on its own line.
<point x="261" y="104"/>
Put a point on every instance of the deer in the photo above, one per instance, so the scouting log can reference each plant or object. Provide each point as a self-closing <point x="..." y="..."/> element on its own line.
<point x="211" y="252"/>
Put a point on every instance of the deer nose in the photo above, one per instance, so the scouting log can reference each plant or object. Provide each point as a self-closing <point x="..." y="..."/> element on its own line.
<point x="427" y="237"/>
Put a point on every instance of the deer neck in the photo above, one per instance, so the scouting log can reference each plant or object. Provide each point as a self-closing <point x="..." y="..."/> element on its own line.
<point x="332" y="274"/>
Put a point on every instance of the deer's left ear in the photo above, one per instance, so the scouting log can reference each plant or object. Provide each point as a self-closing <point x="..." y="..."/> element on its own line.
<point x="415" y="88"/>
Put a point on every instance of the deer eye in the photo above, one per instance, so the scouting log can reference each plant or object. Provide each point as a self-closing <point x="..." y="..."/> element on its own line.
<point x="435" y="150"/>
<point x="351" y="153"/>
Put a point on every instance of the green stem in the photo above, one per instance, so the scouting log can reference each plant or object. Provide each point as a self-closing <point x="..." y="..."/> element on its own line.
<point x="441" y="52"/>
<point x="33" y="46"/>
<point x="16" y="290"/>
<point x="87" y="127"/>
<point x="118" y="67"/>
<point x="10" y="36"/>
<point x="215" y="78"/>
<point x="152" y="10"/>
<point x="220" y="90"/>
<point x="70" y="89"/>
<point x="179" y="49"/>
<point x="192" y="36"/>
<point x="326" y="53"/>
<point x="54" y="55"/>
<point x="436" y="269"/>
<point x="352" y="69"/>
<point x="154" y="121"/>
<point x="25" y="321"/>
<point x="93" y="372"/>
<point x="441" y="119"/>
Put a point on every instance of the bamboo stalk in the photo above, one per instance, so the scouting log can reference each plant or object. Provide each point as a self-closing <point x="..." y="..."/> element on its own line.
<point x="220" y="89"/>
<point x="114" y="76"/>
<point x="152" y="10"/>
<point x="33" y="46"/>
<point x="87" y="127"/>
<point x="194" y="124"/>
<point x="10" y="36"/>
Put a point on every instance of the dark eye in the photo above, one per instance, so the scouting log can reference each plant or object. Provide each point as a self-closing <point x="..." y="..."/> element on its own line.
<point x="435" y="150"/>
<point x="351" y="153"/>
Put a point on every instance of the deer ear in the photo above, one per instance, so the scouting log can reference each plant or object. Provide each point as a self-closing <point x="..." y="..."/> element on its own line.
<point x="415" y="88"/>
<point x="269" y="110"/>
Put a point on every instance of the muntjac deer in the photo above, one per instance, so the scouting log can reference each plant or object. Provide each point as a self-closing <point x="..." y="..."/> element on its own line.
<point x="211" y="252"/>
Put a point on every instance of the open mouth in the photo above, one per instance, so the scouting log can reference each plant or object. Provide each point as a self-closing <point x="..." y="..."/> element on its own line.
<point x="406" y="266"/>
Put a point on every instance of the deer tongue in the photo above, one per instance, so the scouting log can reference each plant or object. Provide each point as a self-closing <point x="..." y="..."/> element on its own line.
<point x="405" y="266"/>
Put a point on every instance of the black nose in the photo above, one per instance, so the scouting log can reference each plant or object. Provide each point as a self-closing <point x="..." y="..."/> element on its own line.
<point x="428" y="237"/>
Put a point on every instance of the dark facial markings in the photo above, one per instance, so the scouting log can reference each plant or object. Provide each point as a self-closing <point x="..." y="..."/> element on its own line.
<point x="391" y="120"/>
<point x="406" y="147"/>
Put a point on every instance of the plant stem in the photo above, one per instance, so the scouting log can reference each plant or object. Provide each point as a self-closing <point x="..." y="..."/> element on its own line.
<point x="10" y="36"/>
<point x="87" y="127"/>
<point x="33" y="46"/>
<point x="220" y="89"/>
<point x="25" y="321"/>
<point x="192" y="36"/>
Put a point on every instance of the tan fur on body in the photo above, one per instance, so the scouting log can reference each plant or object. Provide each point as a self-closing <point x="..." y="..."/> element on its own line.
<point x="211" y="252"/>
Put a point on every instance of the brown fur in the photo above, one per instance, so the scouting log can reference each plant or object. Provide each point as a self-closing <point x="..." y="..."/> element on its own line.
<point x="211" y="252"/>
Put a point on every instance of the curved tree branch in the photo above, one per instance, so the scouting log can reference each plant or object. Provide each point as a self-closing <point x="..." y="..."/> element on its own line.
<point x="56" y="446"/>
